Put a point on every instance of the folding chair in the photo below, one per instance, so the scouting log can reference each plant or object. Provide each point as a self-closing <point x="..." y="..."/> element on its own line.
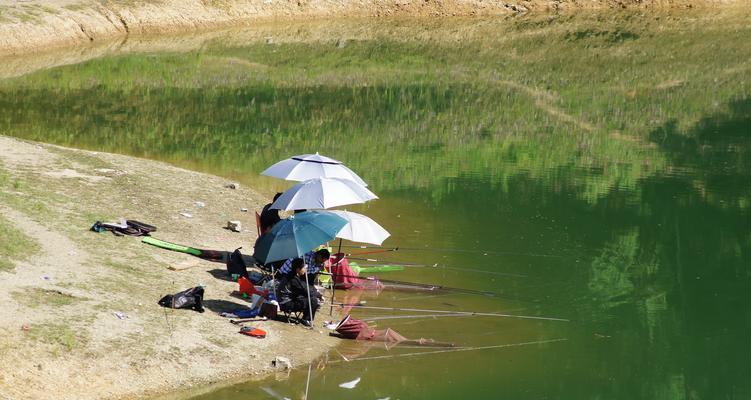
<point x="293" y="317"/>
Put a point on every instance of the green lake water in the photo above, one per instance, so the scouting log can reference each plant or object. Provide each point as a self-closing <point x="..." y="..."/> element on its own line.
<point x="594" y="168"/>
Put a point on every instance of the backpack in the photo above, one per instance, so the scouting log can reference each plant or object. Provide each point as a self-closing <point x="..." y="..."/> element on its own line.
<point x="236" y="266"/>
<point x="189" y="298"/>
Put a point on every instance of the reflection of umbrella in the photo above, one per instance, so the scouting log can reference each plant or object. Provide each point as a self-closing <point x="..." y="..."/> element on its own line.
<point x="351" y="328"/>
<point x="320" y="193"/>
<point x="360" y="228"/>
<point x="297" y="235"/>
<point x="309" y="166"/>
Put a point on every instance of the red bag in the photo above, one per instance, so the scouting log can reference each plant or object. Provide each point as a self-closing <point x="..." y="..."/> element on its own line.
<point x="254" y="332"/>
<point x="247" y="288"/>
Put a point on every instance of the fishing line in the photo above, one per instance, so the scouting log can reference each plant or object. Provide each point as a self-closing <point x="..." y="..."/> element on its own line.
<point x="166" y="319"/>
<point x="415" y="316"/>
<point x="455" y="250"/>
<point x="393" y="284"/>
<point x="411" y="265"/>
<point x="452" y="350"/>
<point x="479" y="314"/>
<point x="425" y="286"/>
<point x="274" y="394"/>
<point x="455" y="314"/>
<point x="380" y="250"/>
<point x="423" y="297"/>
<point x="340" y="354"/>
<point x="307" y="384"/>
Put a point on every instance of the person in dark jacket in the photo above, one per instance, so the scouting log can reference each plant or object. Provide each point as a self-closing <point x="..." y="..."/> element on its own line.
<point x="293" y="293"/>
<point x="268" y="216"/>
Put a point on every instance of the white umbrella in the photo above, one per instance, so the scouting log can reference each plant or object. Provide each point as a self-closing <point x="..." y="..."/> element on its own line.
<point x="360" y="228"/>
<point x="309" y="166"/>
<point x="322" y="193"/>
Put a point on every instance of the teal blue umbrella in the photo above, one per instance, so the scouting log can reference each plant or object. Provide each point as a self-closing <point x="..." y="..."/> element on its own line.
<point x="297" y="235"/>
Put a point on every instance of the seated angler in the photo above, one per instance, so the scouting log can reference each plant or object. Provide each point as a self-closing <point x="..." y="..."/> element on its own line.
<point x="269" y="217"/>
<point x="294" y="293"/>
<point x="313" y="259"/>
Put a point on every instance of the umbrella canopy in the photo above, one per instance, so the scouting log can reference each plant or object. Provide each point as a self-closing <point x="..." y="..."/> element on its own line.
<point x="321" y="193"/>
<point x="360" y="228"/>
<point x="309" y="166"/>
<point x="296" y="235"/>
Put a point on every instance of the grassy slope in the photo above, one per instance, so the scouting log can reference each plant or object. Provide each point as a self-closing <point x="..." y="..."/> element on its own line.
<point x="594" y="88"/>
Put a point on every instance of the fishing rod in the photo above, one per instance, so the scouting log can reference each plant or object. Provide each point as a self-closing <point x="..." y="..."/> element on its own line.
<point x="461" y="269"/>
<point x="381" y="317"/>
<point x="413" y="265"/>
<point x="454" y="250"/>
<point x="468" y="313"/>
<point x="307" y="383"/>
<point x="382" y="250"/>
<point x="416" y="316"/>
<point x="426" y="286"/>
<point x="420" y="353"/>
<point x="242" y="321"/>
<point x="431" y="287"/>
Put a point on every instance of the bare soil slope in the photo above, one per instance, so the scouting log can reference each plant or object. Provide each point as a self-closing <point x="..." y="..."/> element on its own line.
<point x="60" y="337"/>
<point x="33" y="25"/>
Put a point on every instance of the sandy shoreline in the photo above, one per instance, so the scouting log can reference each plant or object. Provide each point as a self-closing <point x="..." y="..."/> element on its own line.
<point x="32" y="26"/>
<point x="58" y="328"/>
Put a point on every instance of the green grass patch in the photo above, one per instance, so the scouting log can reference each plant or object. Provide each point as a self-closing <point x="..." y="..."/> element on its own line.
<point x="126" y="268"/>
<point x="14" y="245"/>
<point x="120" y="278"/>
<point x="38" y="297"/>
<point x="61" y="337"/>
<point x="90" y="161"/>
<point x="4" y="179"/>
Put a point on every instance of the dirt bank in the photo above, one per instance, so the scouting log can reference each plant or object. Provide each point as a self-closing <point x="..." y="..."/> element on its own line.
<point x="35" y="25"/>
<point x="62" y="285"/>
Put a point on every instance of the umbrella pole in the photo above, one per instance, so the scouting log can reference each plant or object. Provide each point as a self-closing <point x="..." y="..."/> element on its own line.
<point x="273" y="282"/>
<point x="333" y="278"/>
<point x="310" y="306"/>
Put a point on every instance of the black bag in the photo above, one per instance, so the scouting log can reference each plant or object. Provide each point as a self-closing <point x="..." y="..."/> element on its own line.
<point x="190" y="298"/>
<point x="130" y="228"/>
<point x="143" y="228"/>
<point x="236" y="265"/>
